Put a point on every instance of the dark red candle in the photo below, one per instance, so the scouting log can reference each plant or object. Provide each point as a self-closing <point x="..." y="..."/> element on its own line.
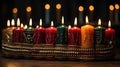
<point x="51" y="35"/>
<point x="109" y="34"/>
<point x="74" y="35"/>
<point x="18" y="33"/>
<point x="39" y="34"/>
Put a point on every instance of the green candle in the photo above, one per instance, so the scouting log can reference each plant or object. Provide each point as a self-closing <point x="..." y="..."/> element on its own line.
<point x="62" y="33"/>
<point x="99" y="34"/>
<point x="29" y="33"/>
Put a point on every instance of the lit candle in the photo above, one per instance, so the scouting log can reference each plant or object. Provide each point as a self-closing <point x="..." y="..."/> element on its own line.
<point x="109" y="34"/>
<point x="62" y="33"/>
<point x="29" y="33"/>
<point x="58" y="13"/>
<point x="80" y="16"/>
<point x="51" y="35"/>
<point x="116" y="14"/>
<point x="87" y="35"/>
<point x="18" y="33"/>
<point x="111" y="13"/>
<point x="74" y="35"/>
<point x="99" y="34"/>
<point x="39" y="34"/>
<point x="91" y="11"/>
<point x="15" y="11"/>
<point x="28" y="14"/>
<point x="47" y="14"/>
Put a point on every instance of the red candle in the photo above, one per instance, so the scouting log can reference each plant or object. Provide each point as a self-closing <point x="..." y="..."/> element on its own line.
<point x="74" y="35"/>
<point x="109" y="34"/>
<point x="51" y="35"/>
<point x="39" y="34"/>
<point x="18" y="33"/>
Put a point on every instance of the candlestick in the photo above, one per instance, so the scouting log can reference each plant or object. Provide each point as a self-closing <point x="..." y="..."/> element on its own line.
<point x="74" y="35"/>
<point x="15" y="11"/>
<point x="87" y="35"/>
<point x="29" y="38"/>
<point x="99" y="34"/>
<point x="80" y="16"/>
<point x="18" y="33"/>
<point x="51" y="35"/>
<point x="39" y="34"/>
<point x="111" y="13"/>
<point x="58" y="13"/>
<point x="28" y="14"/>
<point x="91" y="11"/>
<point x="109" y="34"/>
<point x="47" y="14"/>
<point x="116" y="14"/>
<point x="62" y="32"/>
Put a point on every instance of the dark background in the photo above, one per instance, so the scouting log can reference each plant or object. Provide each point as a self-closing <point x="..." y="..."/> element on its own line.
<point x="69" y="10"/>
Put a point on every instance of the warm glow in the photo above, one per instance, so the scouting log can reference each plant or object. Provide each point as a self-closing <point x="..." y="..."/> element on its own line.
<point x="28" y="9"/>
<point x="81" y="8"/>
<point x="18" y="22"/>
<point x="52" y="24"/>
<point x="47" y="6"/>
<point x="99" y="21"/>
<point x="75" y="21"/>
<point x="40" y="22"/>
<point x="8" y="23"/>
<point x="58" y="6"/>
<point x="69" y="26"/>
<point x="111" y="7"/>
<point x="21" y="25"/>
<point x="86" y="19"/>
<point x="117" y="6"/>
<point x="30" y="22"/>
<point x="109" y="23"/>
<point x="91" y="8"/>
<point x="13" y="22"/>
<point x="14" y="10"/>
<point x="62" y="19"/>
<point x="25" y="27"/>
<point x="37" y="26"/>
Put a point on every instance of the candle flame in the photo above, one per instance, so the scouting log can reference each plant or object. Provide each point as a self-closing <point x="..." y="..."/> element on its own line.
<point x="13" y="22"/>
<point x="8" y="23"/>
<point x="87" y="20"/>
<point x="111" y="7"/>
<point x="21" y="25"/>
<point x="109" y="23"/>
<point x="28" y="9"/>
<point x="52" y="24"/>
<point x="81" y="8"/>
<point x="75" y="21"/>
<point x="37" y="26"/>
<point x="99" y="21"/>
<point x="15" y="10"/>
<point x="91" y="8"/>
<point x="117" y="6"/>
<point x="30" y="22"/>
<point x="47" y="6"/>
<point x="62" y="19"/>
<point x="58" y="6"/>
<point x="18" y="22"/>
<point x="69" y="26"/>
<point x="40" y="22"/>
<point x="25" y="27"/>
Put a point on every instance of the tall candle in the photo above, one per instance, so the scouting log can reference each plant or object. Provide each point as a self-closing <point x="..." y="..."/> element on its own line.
<point x="51" y="34"/>
<point x="47" y="14"/>
<point x="39" y="34"/>
<point x="28" y="14"/>
<point x="109" y="34"/>
<point x="80" y="16"/>
<point x="62" y="34"/>
<point x="116" y="14"/>
<point x="18" y="33"/>
<point x="58" y="13"/>
<point x="74" y="35"/>
<point x="29" y="38"/>
<point x="87" y="35"/>
<point x="15" y="11"/>
<point x="99" y="34"/>
<point x="91" y="11"/>
<point x="111" y="13"/>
